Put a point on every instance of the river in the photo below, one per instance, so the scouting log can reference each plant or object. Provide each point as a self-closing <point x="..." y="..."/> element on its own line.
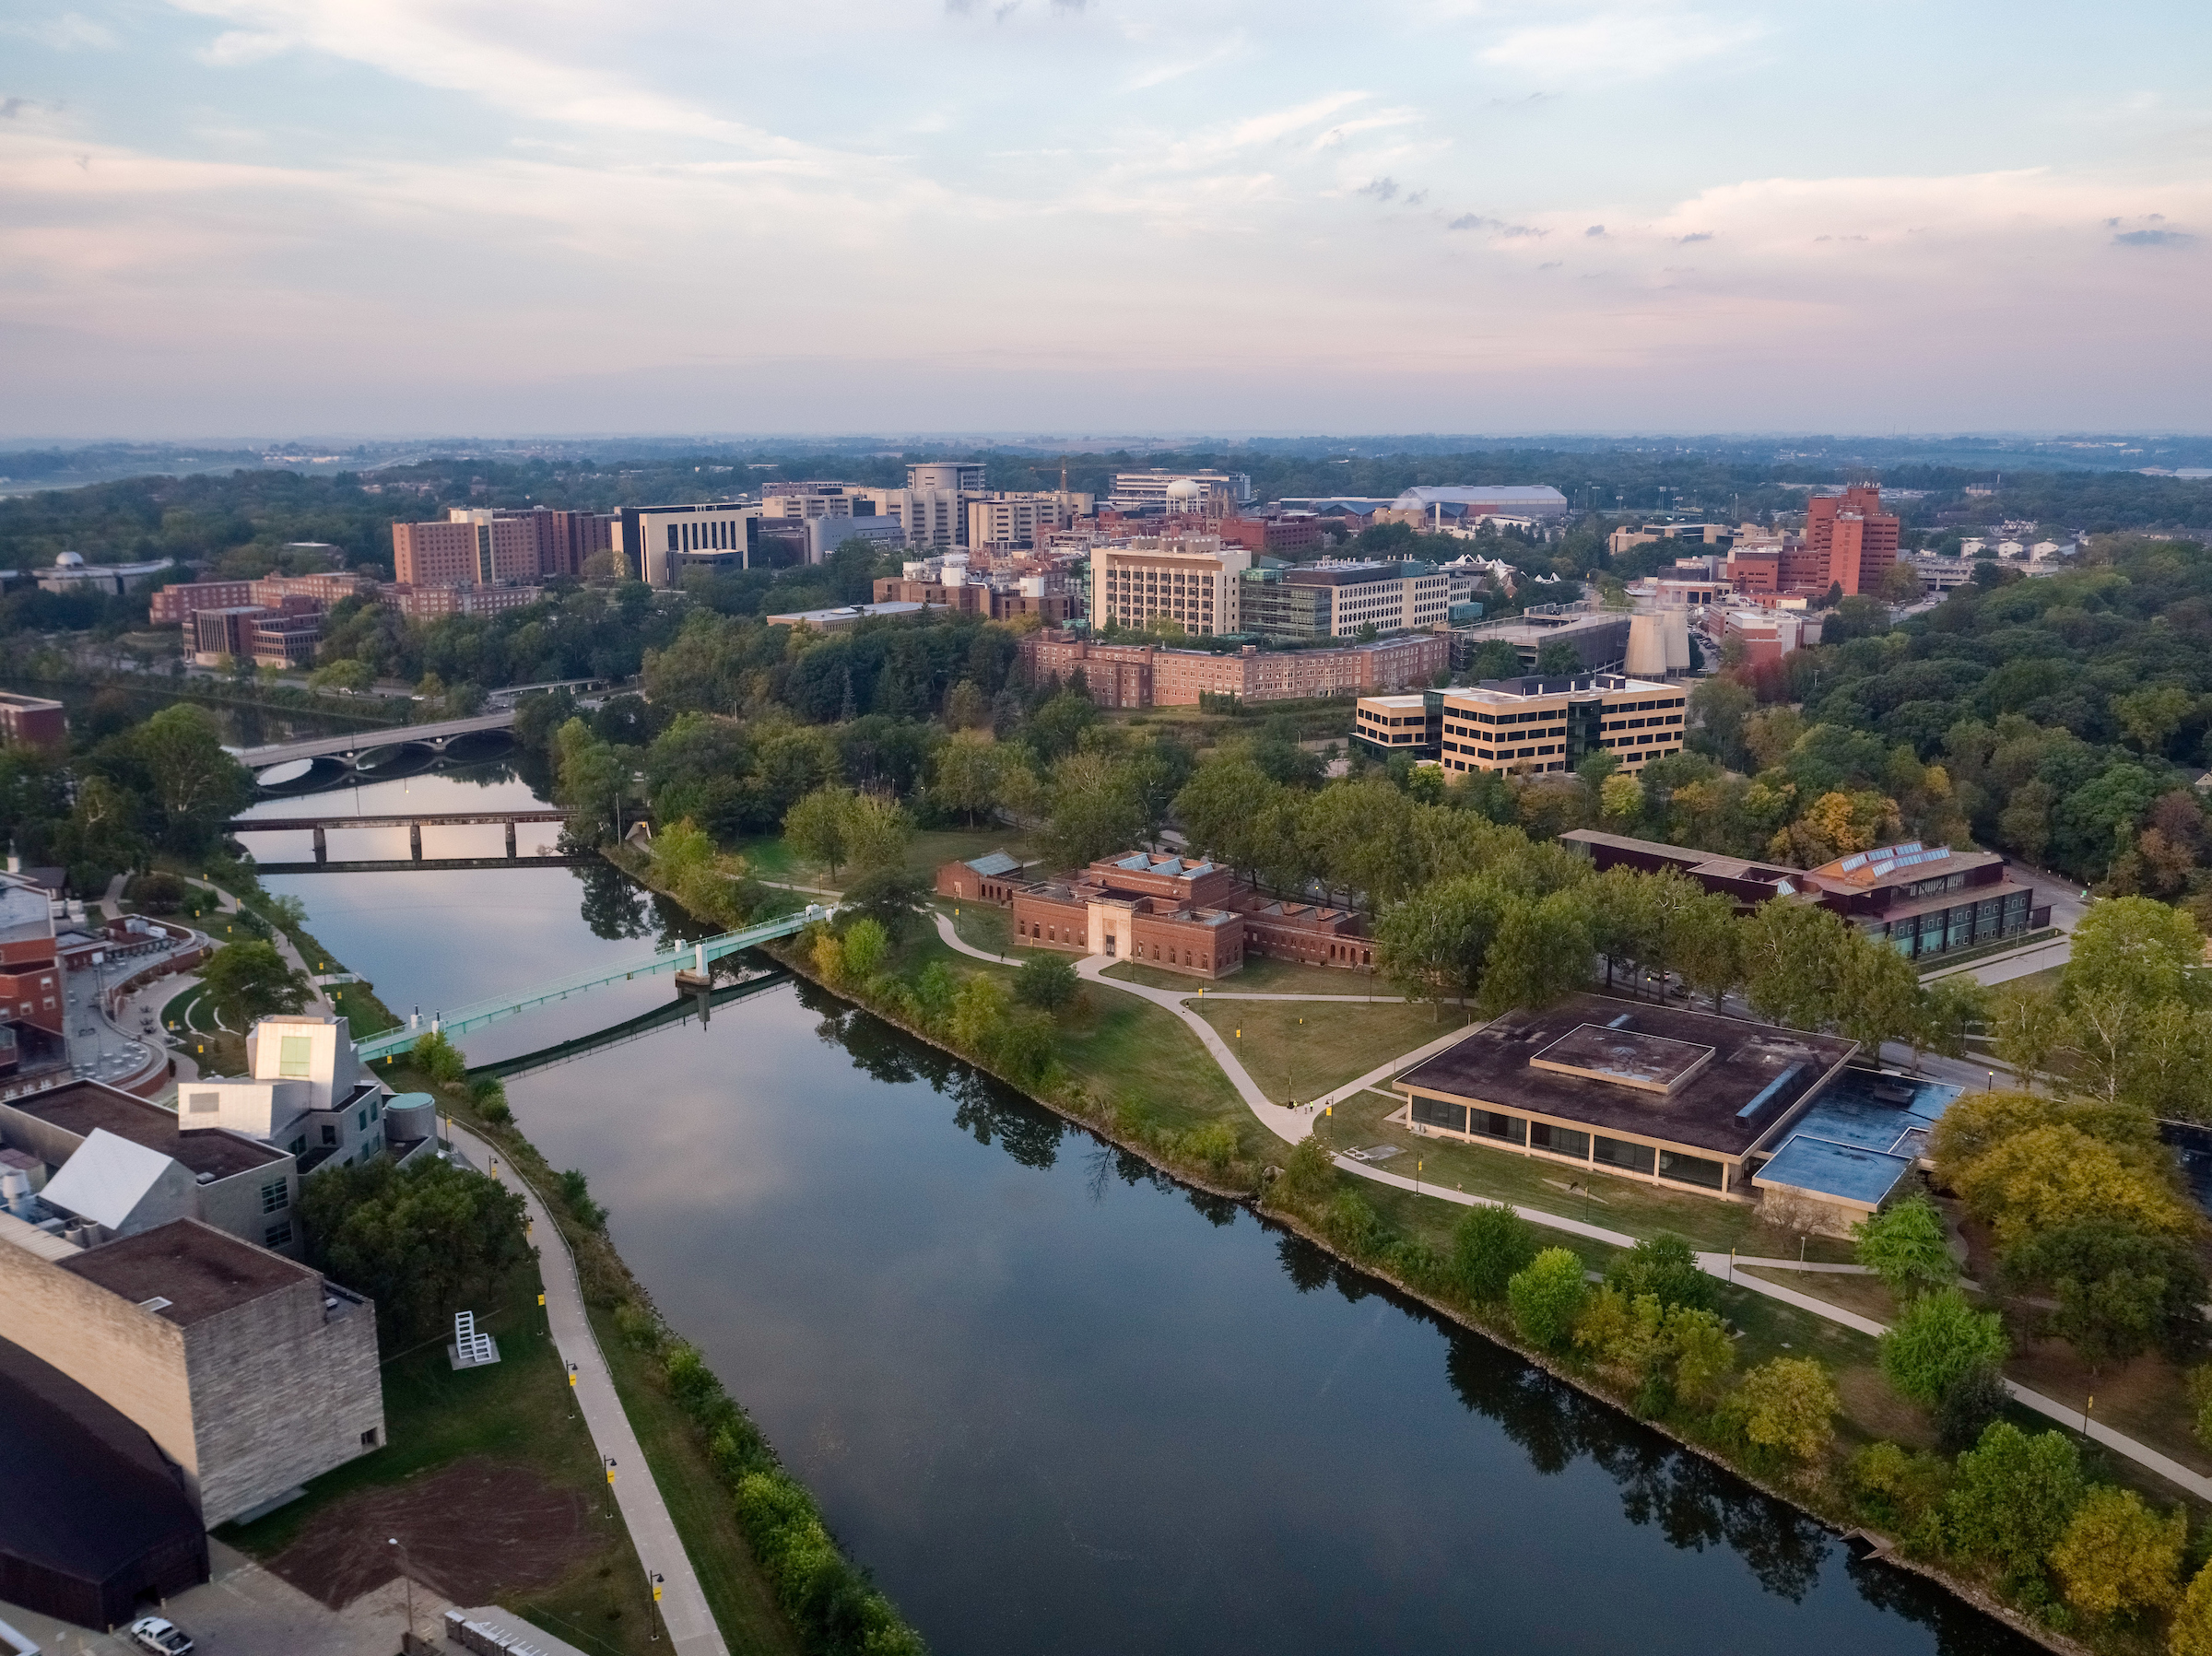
<point x="1056" y="1403"/>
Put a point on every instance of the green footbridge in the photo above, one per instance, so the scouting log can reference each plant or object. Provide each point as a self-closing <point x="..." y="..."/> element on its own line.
<point x="458" y="1020"/>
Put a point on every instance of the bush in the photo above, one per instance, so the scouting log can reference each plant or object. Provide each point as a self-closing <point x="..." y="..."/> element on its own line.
<point x="155" y="893"/>
<point x="1216" y="1146"/>
<point x="1966" y="1408"/>
<point x="2192" y="1632"/>
<point x="576" y="1190"/>
<point x="1786" y="1408"/>
<point x="1491" y="1245"/>
<point x="1938" y="1341"/>
<point x="1900" y="1491"/>
<point x="1547" y="1296"/>
<point x="1666" y="1268"/>
<point x="489" y="1095"/>
<point x="2013" y="1497"/>
<point x="441" y="1059"/>
<point x="1309" y="1172"/>
<point x="1046" y="982"/>
<point x="2117" y="1557"/>
<point x="1351" y="1224"/>
<point x="865" y="943"/>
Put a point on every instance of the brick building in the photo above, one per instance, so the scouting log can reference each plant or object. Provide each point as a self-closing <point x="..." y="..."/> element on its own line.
<point x="1134" y="675"/>
<point x="33" y="1010"/>
<point x="33" y="721"/>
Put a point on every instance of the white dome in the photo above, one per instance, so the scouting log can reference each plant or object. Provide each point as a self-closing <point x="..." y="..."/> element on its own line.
<point x="70" y="560"/>
<point x="1184" y="488"/>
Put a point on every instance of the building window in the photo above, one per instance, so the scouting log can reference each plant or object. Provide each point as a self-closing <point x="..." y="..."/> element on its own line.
<point x="369" y="1439"/>
<point x="276" y="1196"/>
<point x="1560" y="1141"/>
<point x="1453" y="1118"/>
<point x="329" y="1136"/>
<point x="278" y="1234"/>
<point x="201" y="1103"/>
<point x="294" y="1054"/>
<point x="1691" y="1170"/>
<point x="1620" y="1153"/>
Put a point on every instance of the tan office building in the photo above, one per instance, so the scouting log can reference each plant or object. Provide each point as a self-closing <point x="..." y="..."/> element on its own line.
<point x="1194" y="579"/>
<point x="1532" y="726"/>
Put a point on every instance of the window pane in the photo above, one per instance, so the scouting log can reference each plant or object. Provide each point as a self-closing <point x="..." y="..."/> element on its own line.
<point x="1690" y="1169"/>
<point x="293" y="1055"/>
<point x="1620" y="1153"/>
<point x="1560" y="1141"/>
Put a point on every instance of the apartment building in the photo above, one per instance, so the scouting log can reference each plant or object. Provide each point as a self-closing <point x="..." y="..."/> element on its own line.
<point x="470" y="549"/>
<point x="1532" y="726"/>
<point x="1192" y="579"/>
<point x="1335" y="598"/>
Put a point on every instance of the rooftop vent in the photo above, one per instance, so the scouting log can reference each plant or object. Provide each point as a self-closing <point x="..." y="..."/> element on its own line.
<point x="156" y="1304"/>
<point x="1622" y="1022"/>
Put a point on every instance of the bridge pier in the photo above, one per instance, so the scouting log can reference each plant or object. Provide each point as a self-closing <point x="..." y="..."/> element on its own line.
<point x="511" y="838"/>
<point x="415" y="840"/>
<point x="321" y="845"/>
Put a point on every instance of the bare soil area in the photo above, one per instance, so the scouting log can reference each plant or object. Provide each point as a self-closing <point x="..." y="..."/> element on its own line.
<point x="476" y="1530"/>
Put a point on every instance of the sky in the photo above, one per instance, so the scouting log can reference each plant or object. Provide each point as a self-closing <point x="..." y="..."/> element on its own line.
<point x="404" y="217"/>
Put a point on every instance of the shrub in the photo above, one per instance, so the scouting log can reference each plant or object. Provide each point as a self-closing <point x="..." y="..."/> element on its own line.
<point x="1967" y="1405"/>
<point x="640" y="1329"/>
<point x="155" y="893"/>
<point x="2192" y="1632"/>
<point x="2117" y="1557"/>
<point x="1215" y="1144"/>
<point x="1938" y="1341"/>
<point x="1547" y="1298"/>
<point x="490" y="1094"/>
<point x="866" y="943"/>
<point x="2200" y="1400"/>
<point x="1351" y="1224"/>
<point x="2013" y="1497"/>
<point x="1666" y="1268"/>
<point x="1785" y="1406"/>
<point x="441" y="1059"/>
<point x="576" y="1190"/>
<point x="1491" y="1244"/>
<point x="1309" y="1172"/>
<point x="1906" y="1246"/>
<point x="1904" y="1492"/>
<point x="1046" y="982"/>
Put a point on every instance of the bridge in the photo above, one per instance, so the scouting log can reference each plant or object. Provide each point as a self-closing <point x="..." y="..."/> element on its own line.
<point x="348" y="749"/>
<point x="695" y="959"/>
<point x="414" y="822"/>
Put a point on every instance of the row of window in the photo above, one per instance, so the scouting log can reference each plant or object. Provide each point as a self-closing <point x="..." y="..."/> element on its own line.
<point x="1592" y="1149"/>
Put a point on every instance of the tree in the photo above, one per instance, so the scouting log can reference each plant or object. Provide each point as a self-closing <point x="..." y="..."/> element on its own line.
<point x="1493" y="658"/>
<point x="1541" y="954"/>
<point x="1556" y="658"/>
<point x="877" y="831"/>
<point x="1949" y="1010"/>
<point x="1094" y="809"/>
<point x="2119" y="1290"/>
<point x="1491" y="1245"/>
<point x="1878" y="996"/>
<point x="819" y="827"/>
<point x="1905" y="1245"/>
<point x="249" y="979"/>
<point x="2026" y="1027"/>
<point x="414" y="1239"/>
<point x="1547" y="1296"/>
<point x="196" y="784"/>
<point x="2013" y="1497"/>
<point x="1309" y="1172"/>
<point x="2058" y="1174"/>
<point x="968" y="774"/>
<point x="1709" y="948"/>
<point x="1974" y="1398"/>
<point x="2117" y="1557"/>
<point x="2139" y="949"/>
<point x="1936" y="1340"/>
<point x="865" y="943"/>
<point x="966" y="706"/>
<point x="1786" y="1406"/>
<point x="1046" y="982"/>
<point x="1792" y="960"/>
<point x="890" y="896"/>
<point x="1666" y="1268"/>
<point x="2192" y="1631"/>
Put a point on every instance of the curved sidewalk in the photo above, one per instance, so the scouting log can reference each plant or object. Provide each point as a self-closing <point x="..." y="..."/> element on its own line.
<point x="683" y="1606"/>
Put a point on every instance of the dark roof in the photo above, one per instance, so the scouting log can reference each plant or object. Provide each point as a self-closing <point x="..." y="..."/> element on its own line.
<point x="84" y="1105"/>
<point x="1760" y="1068"/>
<point x="201" y="1271"/>
<point x="88" y="1494"/>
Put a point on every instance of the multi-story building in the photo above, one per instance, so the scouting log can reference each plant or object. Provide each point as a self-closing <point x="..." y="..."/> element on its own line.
<point x="1283" y="535"/>
<point x="1017" y="520"/>
<point x="33" y="1008"/>
<point x="175" y="605"/>
<point x="1216" y="494"/>
<point x="251" y="1373"/>
<point x="1135" y="675"/>
<point x="33" y="721"/>
<point x="305" y="1091"/>
<point x="1412" y="724"/>
<point x="1453" y="504"/>
<point x="1190" y="579"/>
<point x="434" y="603"/>
<point x="269" y="637"/>
<point x="1532" y="726"/>
<point x="657" y="543"/>
<point x="1849" y="542"/>
<point x="1337" y="598"/>
<point x="1626" y="539"/>
<point x="1045" y="596"/>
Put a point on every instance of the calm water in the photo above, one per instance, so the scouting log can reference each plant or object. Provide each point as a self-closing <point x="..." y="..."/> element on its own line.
<point x="1059" y="1405"/>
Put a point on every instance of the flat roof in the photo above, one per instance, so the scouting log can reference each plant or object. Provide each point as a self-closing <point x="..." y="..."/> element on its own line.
<point x="1898" y="864"/>
<point x="201" y="1271"/>
<point x="1825" y="1168"/>
<point x="1623" y="1055"/>
<point x="81" y="1106"/>
<point x="1757" y="1074"/>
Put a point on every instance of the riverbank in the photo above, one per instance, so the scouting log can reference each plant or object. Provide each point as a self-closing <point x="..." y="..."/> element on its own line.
<point x="1372" y="1240"/>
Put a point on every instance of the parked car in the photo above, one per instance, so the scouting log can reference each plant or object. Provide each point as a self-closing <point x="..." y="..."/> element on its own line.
<point x="162" y="1638"/>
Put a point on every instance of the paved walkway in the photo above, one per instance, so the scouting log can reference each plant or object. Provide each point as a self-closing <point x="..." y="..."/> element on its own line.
<point x="1295" y="1124"/>
<point x="691" y="1624"/>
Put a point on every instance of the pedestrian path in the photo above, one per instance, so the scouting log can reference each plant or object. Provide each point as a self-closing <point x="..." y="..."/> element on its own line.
<point x="691" y="1624"/>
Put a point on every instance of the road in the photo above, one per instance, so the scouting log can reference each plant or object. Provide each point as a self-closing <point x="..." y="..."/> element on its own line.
<point x="691" y="1624"/>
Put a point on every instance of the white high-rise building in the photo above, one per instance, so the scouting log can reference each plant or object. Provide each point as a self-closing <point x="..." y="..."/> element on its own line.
<point x="1194" y="579"/>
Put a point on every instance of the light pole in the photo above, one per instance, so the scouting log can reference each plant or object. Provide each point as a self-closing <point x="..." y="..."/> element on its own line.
<point x="408" y="1576"/>
<point x="652" y="1615"/>
<point x="610" y="1486"/>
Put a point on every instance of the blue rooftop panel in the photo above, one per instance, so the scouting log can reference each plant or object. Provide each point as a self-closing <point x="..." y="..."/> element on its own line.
<point x="1875" y="1110"/>
<point x="997" y="862"/>
<point x="1826" y="1168"/>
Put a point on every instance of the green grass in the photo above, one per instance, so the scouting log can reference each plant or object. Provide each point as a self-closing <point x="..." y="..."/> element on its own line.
<point x="518" y="1412"/>
<point x="1298" y="1049"/>
<point x="1260" y="975"/>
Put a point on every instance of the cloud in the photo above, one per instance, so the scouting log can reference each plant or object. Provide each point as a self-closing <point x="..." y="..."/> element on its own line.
<point x="1617" y="46"/>
<point x="1476" y="221"/>
<point x="1381" y="189"/>
<point x="1696" y="236"/>
<point x="1596" y="229"/>
<point x="66" y="34"/>
<point x="2153" y="239"/>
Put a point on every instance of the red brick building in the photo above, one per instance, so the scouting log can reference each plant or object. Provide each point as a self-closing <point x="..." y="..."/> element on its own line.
<point x="1134" y="675"/>
<point x="33" y="721"/>
<point x="1849" y="542"/>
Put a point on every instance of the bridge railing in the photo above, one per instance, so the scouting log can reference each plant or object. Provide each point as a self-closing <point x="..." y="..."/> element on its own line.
<point x="476" y="1014"/>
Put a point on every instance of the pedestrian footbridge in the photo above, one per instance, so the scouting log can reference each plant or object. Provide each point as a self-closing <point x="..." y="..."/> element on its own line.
<point x="457" y="1020"/>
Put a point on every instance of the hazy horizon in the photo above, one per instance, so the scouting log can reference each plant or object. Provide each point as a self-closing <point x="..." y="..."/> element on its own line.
<point x="1629" y="217"/>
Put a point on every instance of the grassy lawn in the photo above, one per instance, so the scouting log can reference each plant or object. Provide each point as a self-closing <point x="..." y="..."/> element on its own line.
<point x="1298" y="1049"/>
<point x="744" y="1606"/>
<point x="1259" y="975"/>
<point x="519" y="1412"/>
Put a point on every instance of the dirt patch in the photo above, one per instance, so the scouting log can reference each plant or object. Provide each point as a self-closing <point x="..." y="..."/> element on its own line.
<point x="1873" y="1405"/>
<point x="473" y="1530"/>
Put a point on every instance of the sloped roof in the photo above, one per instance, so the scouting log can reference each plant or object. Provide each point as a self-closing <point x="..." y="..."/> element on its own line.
<point x="997" y="862"/>
<point x="106" y="1178"/>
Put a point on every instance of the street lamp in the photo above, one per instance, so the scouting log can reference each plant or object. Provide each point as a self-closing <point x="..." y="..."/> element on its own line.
<point x="610" y="1486"/>
<point x="651" y="1616"/>
<point x="407" y="1576"/>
